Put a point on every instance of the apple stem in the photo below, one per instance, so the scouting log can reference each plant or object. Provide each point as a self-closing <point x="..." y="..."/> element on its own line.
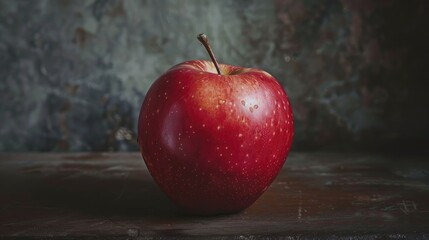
<point x="205" y="41"/>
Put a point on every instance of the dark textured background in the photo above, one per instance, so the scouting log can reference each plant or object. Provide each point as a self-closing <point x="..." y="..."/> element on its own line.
<point x="73" y="74"/>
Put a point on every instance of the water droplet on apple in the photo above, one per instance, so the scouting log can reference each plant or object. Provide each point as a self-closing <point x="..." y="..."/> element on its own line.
<point x="243" y="102"/>
<point x="221" y="101"/>
<point x="256" y="106"/>
<point x="243" y="119"/>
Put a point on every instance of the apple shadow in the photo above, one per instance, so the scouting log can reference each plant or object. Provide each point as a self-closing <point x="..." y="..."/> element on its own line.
<point x="95" y="196"/>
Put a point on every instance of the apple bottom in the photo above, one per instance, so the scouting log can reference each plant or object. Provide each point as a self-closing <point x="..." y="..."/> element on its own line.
<point x="213" y="192"/>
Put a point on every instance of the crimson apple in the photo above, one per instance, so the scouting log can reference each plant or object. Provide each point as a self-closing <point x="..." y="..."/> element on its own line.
<point x="214" y="136"/>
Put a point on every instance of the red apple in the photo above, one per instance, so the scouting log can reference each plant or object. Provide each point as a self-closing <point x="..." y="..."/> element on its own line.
<point x="213" y="141"/>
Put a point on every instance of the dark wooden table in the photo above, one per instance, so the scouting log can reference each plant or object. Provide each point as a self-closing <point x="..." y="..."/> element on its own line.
<point x="112" y="196"/>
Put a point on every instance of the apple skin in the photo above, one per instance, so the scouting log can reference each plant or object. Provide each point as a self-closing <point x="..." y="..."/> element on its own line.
<point x="214" y="143"/>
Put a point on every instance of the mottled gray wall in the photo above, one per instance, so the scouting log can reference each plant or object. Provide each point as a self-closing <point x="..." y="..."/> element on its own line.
<point x="74" y="73"/>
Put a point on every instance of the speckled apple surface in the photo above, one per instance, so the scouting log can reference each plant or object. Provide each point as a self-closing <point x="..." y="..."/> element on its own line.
<point x="212" y="142"/>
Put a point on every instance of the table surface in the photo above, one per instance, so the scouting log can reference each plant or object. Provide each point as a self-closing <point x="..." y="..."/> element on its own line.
<point x="112" y="196"/>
